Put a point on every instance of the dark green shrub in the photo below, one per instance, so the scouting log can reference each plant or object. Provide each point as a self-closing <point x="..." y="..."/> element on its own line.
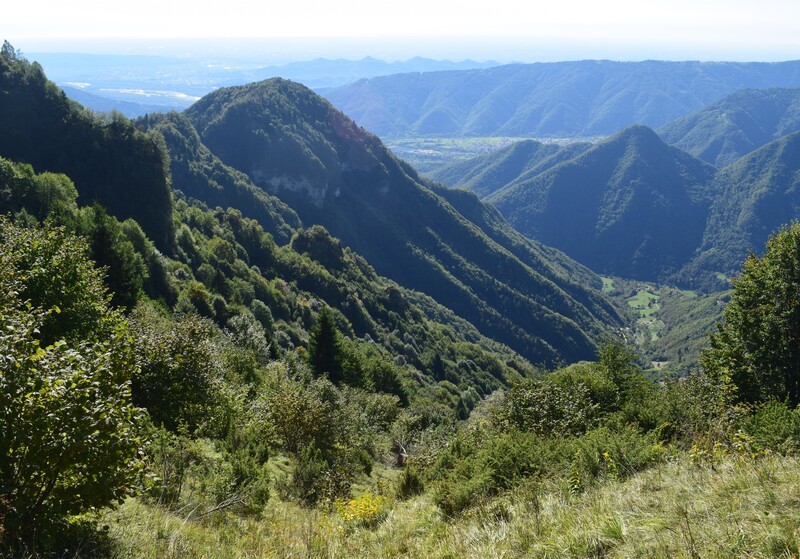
<point x="547" y="408"/>
<point x="178" y="368"/>
<point x="600" y="388"/>
<point x="263" y="314"/>
<point x="773" y="426"/>
<point x="460" y="493"/>
<point x="70" y="438"/>
<point x="307" y="483"/>
<point x="482" y="464"/>
<point x="170" y="455"/>
<point x="409" y="483"/>
<point x="52" y="270"/>
<point x="685" y="409"/>
<point x="615" y="453"/>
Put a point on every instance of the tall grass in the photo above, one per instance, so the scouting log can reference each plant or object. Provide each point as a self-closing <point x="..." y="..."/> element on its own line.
<point x="737" y="507"/>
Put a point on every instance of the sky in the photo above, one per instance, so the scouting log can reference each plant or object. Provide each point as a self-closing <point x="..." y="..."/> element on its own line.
<point x="503" y="30"/>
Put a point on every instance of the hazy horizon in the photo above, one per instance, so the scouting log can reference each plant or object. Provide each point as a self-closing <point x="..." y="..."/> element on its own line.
<point x="505" y="30"/>
<point x="282" y="50"/>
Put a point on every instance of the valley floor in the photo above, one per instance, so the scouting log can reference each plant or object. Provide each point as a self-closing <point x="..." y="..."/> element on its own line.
<point x="739" y="506"/>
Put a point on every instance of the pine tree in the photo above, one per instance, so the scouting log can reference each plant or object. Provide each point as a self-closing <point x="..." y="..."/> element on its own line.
<point x="325" y="353"/>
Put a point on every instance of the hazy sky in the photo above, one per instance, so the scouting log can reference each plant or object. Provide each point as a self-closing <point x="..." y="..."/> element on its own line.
<point x="628" y="29"/>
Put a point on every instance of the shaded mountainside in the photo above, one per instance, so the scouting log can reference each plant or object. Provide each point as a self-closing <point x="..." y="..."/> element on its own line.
<point x="583" y="98"/>
<point x="517" y="162"/>
<point x="742" y="122"/>
<point x="108" y="159"/>
<point x="294" y="144"/>
<point x="630" y="206"/>
<point x="756" y="196"/>
<point x="201" y="175"/>
<point x="228" y="268"/>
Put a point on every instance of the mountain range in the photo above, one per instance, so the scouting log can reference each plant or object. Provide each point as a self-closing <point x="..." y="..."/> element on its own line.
<point x="324" y="73"/>
<point x="630" y="205"/>
<point x="560" y="99"/>
<point x="139" y="84"/>
<point x="293" y="144"/>
<point x="277" y="152"/>
<point x="726" y="130"/>
<point x="635" y="207"/>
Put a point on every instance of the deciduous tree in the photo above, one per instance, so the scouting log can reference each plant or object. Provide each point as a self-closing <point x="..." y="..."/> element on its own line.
<point x="756" y="350"/>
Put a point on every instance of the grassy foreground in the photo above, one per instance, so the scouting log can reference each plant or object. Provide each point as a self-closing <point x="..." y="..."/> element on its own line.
<point x="738" y="507"/>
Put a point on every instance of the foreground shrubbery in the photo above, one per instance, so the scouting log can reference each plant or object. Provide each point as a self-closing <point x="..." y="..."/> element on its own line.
<point x="219" y="397"/>
<point x="71" y="440"/>
<point x="573" y="429"/>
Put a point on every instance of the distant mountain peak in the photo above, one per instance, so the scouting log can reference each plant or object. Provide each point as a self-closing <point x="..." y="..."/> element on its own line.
<point x="630" y="205"/>
<point x="296" y="145"/>
<point x="728" y="129"/>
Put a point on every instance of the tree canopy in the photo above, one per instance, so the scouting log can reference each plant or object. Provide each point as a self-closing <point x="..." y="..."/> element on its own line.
<point x="757" y="349"/>
<point x="70" y="437"/>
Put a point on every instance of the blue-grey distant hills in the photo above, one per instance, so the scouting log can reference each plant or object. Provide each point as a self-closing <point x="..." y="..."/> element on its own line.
<point x="322" y="73"/>
<point x="136" y="84"/>
<point x="584" y="98"/>
<point x="742" y="122"/>
<point x="631" y="206"/>
<point x="510" y="165"/>
<point x="636" y="207"/>
<point x="101" y="104"/>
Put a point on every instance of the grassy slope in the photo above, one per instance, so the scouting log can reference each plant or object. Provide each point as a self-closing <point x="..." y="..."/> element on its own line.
<point x="671" y="325"/>
<point x="739" y="507"/>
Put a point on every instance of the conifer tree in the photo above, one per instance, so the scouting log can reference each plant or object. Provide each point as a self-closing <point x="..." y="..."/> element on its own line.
<point x="325" y="353"/>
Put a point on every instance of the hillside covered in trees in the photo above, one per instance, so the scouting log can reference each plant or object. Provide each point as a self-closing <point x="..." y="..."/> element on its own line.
<point x="727" y="130"/>
<point x="293" y="144"/>
<point x="638" y="208"/>
<point x="553" y="99"/>
<point x="252" y="384"/>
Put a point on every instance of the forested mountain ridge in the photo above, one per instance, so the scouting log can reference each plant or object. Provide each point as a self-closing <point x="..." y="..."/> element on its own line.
<point x="551" y="288"/>
<point x="634" y="207"/>
<point x="558" y="99"/>
<point x="199" y="174"/>
<point x="630" y="206"/>
<point x="517" y="162"/>
<point x="216" y="263"/>
<point x="234" y="395"/>
<point x="110" y="161"/>
<point x="755" y="196"/>
<point x="295" y="145"/>
<point x="726" y="130"/>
